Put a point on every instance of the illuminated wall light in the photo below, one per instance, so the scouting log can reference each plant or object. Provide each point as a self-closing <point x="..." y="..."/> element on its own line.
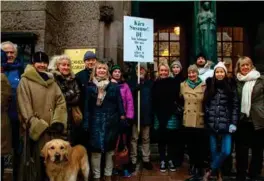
<point x="177" y="30"/>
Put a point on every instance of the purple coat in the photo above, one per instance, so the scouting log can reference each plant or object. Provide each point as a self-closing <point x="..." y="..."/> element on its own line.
<point x="127" y="98"/>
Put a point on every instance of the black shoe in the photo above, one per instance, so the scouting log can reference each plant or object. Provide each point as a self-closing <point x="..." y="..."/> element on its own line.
<point x="147" y="165"/>
<point x="132" y="167"/>
<point x="171" y="166"/>
<point x="163" y="166"/>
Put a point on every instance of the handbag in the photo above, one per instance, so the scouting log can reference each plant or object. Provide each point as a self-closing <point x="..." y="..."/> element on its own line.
<point x="121" y="156"/>
<point x="77" y="115"/>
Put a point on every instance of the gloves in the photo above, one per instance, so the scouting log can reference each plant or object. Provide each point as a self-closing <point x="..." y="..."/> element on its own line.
<point x="232" y="128"/>
<point x="57" y="128"/>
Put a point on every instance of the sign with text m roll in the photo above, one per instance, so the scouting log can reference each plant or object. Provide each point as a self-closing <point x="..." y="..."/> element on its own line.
<point x="138" y="39"/>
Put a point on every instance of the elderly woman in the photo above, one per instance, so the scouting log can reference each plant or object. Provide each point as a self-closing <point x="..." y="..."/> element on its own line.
<point x="250" y="132"/>
<point x="104" y="108"/>
<point x="192" y="91"/>
<point x="165" y="96"/>
<point x="42" y="110"/>
<point x="61" y="67"/>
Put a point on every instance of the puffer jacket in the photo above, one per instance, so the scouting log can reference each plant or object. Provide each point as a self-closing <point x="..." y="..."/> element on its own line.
<point x="222" y="109"/>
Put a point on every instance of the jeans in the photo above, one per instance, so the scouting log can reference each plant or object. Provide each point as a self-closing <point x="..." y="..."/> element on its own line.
<point x="218" y="157"/>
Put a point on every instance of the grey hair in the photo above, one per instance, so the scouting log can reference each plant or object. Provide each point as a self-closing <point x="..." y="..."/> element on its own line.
<point x="56" y="59"/>
<point x="3" y="44"/>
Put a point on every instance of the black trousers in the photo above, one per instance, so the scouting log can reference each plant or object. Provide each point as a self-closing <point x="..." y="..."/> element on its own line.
<point x="247" y="137"/>
<point x="197" y="141"/>
<point x="170" y="141"/>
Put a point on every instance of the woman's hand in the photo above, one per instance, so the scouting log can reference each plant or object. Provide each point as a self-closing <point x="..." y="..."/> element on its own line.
<point x="122" y="117"/>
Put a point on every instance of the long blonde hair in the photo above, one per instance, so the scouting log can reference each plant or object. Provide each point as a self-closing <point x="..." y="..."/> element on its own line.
<point x="242" y="60"/>
<point x="93" y="75"/>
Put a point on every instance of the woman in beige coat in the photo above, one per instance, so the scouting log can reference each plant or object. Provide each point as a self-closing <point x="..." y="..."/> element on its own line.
<point x="42" y="110"/>
<point x="192" y="91"/>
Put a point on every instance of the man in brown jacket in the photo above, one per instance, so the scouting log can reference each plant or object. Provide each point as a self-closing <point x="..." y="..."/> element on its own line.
<point x="42" y="109"/>
<point x="6" y="146"/>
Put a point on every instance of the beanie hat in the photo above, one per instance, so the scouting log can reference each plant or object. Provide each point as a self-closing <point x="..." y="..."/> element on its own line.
<point x="220" y="65"/>
<point x="40" y="57"/>
<point x="193" y="68"/>
<point x="89" y="55"/>
<point x="3" y="57"/>
<point x="115" y="67"/>
<point x="200" y="55"/>
<point x="176" y="62"/>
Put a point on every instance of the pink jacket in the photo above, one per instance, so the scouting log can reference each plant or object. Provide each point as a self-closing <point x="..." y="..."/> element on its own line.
<point x="128" y="102"/>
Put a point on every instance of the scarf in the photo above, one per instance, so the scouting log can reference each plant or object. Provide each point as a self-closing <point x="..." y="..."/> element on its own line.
<point x="250" y="80"/>
<point x="101" y="84"/>
<point x="194" y="84"/>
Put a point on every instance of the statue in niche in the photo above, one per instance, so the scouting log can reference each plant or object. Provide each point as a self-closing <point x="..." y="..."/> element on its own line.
<point x="207" y="31"/>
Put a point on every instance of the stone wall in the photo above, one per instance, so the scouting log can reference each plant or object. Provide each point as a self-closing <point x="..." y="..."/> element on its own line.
<point x="68" y="24"/>
<point x="29" y="16"/>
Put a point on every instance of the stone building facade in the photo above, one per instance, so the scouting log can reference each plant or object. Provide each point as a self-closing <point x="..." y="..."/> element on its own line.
<point x="63" y="25"/>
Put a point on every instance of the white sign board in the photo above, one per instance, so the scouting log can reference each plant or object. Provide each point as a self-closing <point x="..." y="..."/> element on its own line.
<point x="138" y="39"/>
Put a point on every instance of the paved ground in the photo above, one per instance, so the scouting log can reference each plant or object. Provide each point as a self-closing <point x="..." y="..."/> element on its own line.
<point x="145" y="175"/>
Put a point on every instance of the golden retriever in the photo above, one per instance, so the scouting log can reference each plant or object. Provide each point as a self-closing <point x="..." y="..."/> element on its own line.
<point x="63" y="162"/>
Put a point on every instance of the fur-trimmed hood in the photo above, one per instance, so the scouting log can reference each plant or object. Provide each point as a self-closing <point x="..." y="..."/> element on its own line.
<point x="32" y="74"/>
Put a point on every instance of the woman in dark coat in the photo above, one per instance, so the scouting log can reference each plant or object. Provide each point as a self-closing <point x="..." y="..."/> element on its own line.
<point x="221" y="115"/>
<point x="166" y="96"/>
<point x="250" y="130"/>
<point x="105" y="109"/>
<point x="61" y="68"/>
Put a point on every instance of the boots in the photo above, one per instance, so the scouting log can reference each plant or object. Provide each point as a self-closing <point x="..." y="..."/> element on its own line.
<point x="108" y="178"/>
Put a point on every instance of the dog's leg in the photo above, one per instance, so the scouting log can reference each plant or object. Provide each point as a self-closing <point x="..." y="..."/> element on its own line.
<point x="85" y="167"/>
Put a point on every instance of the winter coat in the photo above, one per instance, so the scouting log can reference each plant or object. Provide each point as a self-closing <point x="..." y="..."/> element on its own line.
<point x="165" y="96"/>
<point x="222" y="109"/>
<point x="71" y="92"/>
<point x="193" y="115"/>
<point x="13" y="72"/>
<point x="104" y="120"/>
<point x="127" y="99"/>
<point x="206" y="71"/>
<point x="41" y="103"/>
<point x="83" y="78"/>
<point x="6" y="146"/>
<point x="146" y="112"/>
<point x="257" y="103"/>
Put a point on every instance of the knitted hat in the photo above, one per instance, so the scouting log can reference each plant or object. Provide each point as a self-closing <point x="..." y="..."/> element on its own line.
<point x="200" y="55"/>
<point x="220" y="65"/>
<point x="115" y="67"/>
<point x="176" y="62"/>
<point x="89" y="55"/>
<point x="193" y="68"/>
<point x="40" y="57"/>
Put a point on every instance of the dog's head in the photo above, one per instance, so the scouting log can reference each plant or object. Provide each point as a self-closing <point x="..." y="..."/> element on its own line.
<point x="56" y="150"/>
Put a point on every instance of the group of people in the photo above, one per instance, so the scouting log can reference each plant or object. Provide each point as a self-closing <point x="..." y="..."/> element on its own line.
<point x="206" y="113"/>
